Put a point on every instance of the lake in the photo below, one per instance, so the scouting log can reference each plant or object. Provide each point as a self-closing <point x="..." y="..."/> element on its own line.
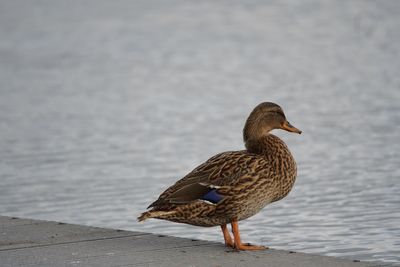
<point x="103" y="105"/>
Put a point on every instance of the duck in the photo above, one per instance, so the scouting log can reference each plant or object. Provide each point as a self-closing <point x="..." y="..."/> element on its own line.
<point x="234" y="185"/>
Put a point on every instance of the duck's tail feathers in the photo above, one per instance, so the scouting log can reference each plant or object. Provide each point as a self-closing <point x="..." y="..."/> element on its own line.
<point x="153" y="214"/>
<point x="144" y="216"/>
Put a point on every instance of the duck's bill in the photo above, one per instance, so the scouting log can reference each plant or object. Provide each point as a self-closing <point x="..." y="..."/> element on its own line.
<point x="290" y="128"/>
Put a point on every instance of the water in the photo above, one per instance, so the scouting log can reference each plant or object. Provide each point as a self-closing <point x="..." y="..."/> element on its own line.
<point x="105" y="104"/>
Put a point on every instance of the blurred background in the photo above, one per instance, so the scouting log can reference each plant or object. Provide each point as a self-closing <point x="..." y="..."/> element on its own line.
<point x="104" y="104"/>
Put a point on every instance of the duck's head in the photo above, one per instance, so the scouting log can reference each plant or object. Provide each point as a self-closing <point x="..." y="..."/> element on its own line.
<point x="264" y="118"/>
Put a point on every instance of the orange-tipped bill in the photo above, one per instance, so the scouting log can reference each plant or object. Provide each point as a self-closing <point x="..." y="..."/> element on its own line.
<point x="290" y="128"/>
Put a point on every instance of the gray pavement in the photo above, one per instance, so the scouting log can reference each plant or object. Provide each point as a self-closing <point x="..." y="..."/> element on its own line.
<point x="25" y="242"/>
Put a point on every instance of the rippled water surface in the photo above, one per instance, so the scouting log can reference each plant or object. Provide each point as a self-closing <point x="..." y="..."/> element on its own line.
<point x="104" y="104"/>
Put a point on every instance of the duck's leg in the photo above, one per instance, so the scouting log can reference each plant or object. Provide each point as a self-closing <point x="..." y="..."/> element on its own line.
<point x="227" y="237"/>
<point x="238" y="243"/>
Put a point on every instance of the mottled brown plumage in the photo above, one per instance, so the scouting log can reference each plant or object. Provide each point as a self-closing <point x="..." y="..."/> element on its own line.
<point x="235" y="185"/>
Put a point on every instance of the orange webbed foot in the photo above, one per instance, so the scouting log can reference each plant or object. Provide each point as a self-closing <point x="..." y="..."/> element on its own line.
<point x="238" y="243"/>
<point x="248" y="246"/>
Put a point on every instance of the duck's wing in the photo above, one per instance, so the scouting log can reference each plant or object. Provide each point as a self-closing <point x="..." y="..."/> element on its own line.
<point x="212" y="179"/>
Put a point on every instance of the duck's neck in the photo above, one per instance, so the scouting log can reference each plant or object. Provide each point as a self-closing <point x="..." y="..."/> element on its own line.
<point x="267" y="145"/>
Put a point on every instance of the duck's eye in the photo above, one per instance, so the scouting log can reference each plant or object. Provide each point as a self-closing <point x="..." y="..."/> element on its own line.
<point x="280" y="113"/>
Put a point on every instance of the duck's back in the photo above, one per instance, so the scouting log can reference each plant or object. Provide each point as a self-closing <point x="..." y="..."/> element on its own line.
<point x="225" y="169"/>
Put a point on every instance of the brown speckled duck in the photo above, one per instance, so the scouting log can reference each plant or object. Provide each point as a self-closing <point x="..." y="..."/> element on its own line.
<point x="235" y="185"/>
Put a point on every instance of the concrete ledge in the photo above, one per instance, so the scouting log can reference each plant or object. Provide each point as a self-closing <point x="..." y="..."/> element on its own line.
<point x="25" y="242"/>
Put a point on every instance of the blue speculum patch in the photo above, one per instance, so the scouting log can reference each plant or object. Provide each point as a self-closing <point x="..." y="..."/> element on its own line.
<point x="212" y="196"/>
